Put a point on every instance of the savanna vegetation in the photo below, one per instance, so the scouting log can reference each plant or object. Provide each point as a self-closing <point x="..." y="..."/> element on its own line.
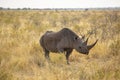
<point x="22" y="58"/>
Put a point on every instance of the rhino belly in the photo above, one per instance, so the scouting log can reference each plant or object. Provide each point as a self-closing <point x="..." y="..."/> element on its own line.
<point x="52" y="46"/>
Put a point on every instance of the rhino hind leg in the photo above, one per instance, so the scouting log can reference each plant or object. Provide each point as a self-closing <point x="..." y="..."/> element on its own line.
<point x="47" y="54"/>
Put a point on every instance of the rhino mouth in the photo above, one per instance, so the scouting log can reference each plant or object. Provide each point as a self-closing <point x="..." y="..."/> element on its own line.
<point x="83" y="52"/>
<point x="86" y="53"/>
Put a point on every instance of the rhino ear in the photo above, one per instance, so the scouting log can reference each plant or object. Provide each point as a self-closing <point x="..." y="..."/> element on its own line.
<point x="83" y="37"/>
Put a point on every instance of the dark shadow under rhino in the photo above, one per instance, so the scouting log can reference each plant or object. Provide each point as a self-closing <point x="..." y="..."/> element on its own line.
<point x="64" y="40"/>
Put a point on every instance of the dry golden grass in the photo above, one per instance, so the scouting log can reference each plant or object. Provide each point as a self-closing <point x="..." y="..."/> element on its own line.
<point x="22" y="58"/>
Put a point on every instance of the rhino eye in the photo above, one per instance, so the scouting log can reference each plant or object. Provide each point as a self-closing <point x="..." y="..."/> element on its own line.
<point x="76" y="38"/>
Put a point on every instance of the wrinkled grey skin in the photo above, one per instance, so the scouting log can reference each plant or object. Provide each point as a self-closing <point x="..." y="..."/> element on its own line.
<point x="64" y="40"/>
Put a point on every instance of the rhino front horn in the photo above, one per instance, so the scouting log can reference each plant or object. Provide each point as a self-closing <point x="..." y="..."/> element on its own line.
<point x="92" y="45"/>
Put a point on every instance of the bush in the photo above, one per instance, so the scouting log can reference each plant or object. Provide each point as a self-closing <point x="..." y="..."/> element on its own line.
<point x="115" y="48"/>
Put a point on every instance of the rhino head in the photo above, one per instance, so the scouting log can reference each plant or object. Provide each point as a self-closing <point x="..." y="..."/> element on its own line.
<point x="82" y="46"/>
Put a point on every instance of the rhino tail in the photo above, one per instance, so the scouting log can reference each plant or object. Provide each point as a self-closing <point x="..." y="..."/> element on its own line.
<point x="42" y="41"/>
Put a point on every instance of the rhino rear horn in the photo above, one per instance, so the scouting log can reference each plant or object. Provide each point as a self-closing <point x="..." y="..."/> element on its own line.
<point x="92" y="45"/>
<point x="86" y="40"/>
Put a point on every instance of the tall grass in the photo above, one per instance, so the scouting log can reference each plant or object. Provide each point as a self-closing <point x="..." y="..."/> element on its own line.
<point x="22" y="58"/>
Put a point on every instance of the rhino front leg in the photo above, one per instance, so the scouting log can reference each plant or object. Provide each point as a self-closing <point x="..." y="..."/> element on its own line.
<point x="68" y="52"/>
